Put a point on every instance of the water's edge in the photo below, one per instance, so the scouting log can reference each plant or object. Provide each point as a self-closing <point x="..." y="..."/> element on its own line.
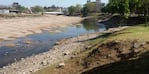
<point x="11" y="51"/>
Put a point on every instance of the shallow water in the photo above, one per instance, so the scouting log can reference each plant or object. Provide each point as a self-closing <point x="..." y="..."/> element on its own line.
<point x="42" y="42"/>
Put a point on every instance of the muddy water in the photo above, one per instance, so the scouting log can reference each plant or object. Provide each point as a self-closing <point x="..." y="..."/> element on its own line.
<point x="11" y="51"/>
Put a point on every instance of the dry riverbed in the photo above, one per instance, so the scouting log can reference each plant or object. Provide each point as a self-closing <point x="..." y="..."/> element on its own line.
<point x="63" y="50"/>
<point x="12" y="28"/>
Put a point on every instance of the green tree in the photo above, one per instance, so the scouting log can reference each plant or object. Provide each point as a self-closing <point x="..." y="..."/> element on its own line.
<point x="71" y="10"/>
<point x="37" y="9"/>
<point x="22" y="8"/>
<point x="85" y="11"/>
<point x="145" y="4"/>
<point x="75" y="10"/>
<point x="91" y="7"/>
<point x="124" y="8"/>
<point x="78" y="8"/>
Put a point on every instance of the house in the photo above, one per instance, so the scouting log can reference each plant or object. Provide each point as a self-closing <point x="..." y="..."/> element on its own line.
<point x="4" y="9"/>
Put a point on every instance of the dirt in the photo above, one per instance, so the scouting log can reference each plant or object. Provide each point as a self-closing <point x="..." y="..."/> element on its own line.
<point x="99" y="59"/>
<point x="12" y="28"/>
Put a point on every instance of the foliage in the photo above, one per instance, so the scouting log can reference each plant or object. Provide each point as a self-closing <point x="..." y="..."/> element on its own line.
<point x="37" y="9"/>
<point x="91" y="7"/>
<point x="22" y="8"/>
<point x="127" y="7"/>
<point x="75" y="10"/>
<point x="85" y="11"/>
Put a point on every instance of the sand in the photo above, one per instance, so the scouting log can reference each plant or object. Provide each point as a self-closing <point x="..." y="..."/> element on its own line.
<point x="12" y="28"/>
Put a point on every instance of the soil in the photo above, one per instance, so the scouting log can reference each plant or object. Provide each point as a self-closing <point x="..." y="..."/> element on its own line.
<point x="12" y="28"/>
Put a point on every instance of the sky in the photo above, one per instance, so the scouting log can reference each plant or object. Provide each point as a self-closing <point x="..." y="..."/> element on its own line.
<point x="62" y="3"/>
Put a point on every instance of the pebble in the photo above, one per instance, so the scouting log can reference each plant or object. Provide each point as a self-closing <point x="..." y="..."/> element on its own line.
<point x="61" y="65"/>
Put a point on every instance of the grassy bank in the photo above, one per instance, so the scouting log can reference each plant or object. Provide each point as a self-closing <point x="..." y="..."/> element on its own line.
<point x="118" y="52"/>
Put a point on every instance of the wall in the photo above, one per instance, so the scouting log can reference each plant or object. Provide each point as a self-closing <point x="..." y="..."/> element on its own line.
<point x="4" y="11"/>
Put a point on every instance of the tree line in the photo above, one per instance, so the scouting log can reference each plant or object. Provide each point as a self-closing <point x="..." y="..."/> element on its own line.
<point x="84" y="10"/>
<point x="127" y="7"/>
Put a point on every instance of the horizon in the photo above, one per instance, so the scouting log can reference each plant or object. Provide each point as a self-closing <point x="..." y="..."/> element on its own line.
<point x="60" y="3"/>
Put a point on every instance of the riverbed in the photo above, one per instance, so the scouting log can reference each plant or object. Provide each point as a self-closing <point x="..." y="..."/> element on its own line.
<point x="14" y="50"/>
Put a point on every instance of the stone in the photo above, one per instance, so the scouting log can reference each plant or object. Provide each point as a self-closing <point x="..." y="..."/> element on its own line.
<point x="66" y="53"/>
<point x="136" y="45"/>
<point x="27" y="41"/>
<point x="44" y="63"/>
<point x="4" y="72"/>
<point x="61" y="65"/>
<point x="72" y="57"/>
<point x="57" y="43"/>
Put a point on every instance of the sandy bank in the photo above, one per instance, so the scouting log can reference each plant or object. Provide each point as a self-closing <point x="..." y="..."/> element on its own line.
<point x="21" y="26"/>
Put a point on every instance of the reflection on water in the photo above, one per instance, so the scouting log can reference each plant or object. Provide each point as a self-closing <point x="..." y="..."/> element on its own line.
<point x="90" y="25"/>
<point x="42" y="42"/>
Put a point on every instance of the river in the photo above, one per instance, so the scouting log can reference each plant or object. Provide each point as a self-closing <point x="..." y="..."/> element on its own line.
<point x="42" y="42"/>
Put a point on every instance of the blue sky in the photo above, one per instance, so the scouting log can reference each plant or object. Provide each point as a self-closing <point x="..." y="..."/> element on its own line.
<point x="29" y="3"/>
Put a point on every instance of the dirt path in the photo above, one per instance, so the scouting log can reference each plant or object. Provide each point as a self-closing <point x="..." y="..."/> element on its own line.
<point x="12" y="28"/>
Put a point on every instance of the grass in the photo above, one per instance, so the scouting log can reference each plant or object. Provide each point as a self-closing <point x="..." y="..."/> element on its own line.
<point x="73" y="66"/>
<point x="133" y="33"/>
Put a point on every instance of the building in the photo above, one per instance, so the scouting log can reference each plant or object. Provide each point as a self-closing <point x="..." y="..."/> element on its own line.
<point x="9" y="9"/>
<point x="57" y="11"/>
<point x="4" y="9"/>
<point x="14" y="8"/>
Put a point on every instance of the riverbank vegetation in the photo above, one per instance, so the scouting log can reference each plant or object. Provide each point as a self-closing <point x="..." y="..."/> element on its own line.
<point x="128" y="8"/>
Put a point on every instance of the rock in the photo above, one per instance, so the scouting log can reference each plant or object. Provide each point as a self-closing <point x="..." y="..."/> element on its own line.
<point x="57" y="43"/>
<point x="66" y="53"/>
<point x="27" y="41"/>
<point x="22" y="59"/>
<point x="60" y="65"/>
<point x="136" y="45"/>
<point x="4" y="72"/>
<point x="72" y="57"/>
<point x="44" y="63"/>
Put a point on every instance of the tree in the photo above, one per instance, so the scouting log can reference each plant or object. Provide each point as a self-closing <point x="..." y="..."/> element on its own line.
<point x="37" y="9"/>
<point x="22" y="8"/>
<point x="124" y="8"/>
<point x="71" y="10"/>
<point x="145" y="4"/>
<point x="85" y="11"/>
<point x="91" y="7"/>
<point x="75" y="10"/>
<point x="78" y="8"/>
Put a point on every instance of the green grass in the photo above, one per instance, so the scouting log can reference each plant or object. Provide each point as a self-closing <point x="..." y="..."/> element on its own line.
<point x="133" y="33"/>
